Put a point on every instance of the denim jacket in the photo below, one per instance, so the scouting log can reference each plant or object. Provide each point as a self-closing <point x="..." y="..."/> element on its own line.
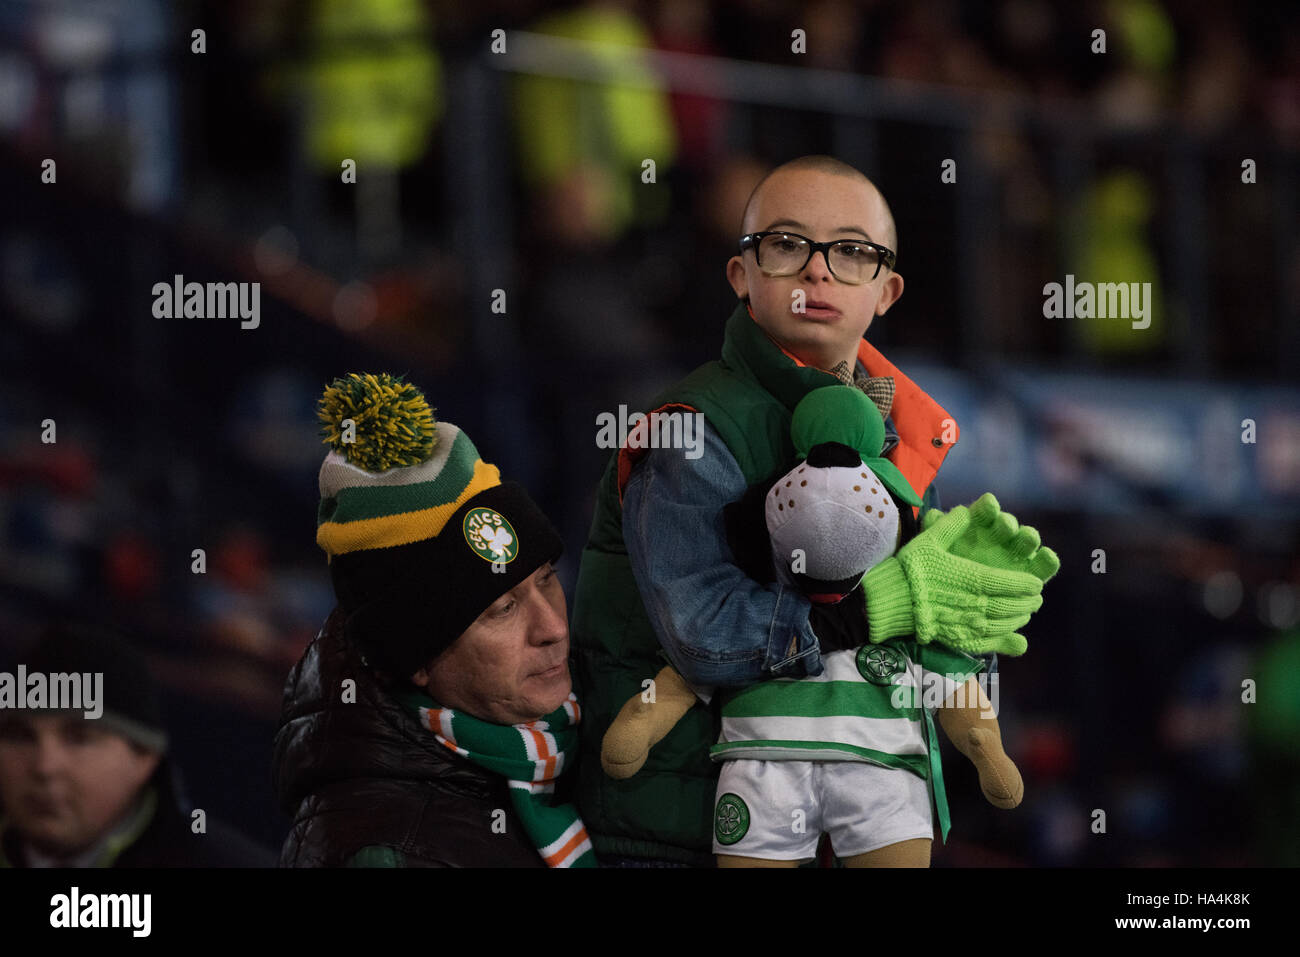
<point x="718" y="626"/>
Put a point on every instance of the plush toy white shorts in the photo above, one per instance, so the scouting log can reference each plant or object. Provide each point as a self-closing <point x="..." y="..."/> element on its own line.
<point x="777" y="810"/>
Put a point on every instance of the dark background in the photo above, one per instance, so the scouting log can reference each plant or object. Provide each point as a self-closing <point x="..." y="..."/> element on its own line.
<point x="522" y="171"/>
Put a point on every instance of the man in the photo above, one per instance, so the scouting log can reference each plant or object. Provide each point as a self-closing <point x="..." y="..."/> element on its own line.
<point x="99" y="791"/>
<point x="429" y="723"/>
<point x="658" y="579"/>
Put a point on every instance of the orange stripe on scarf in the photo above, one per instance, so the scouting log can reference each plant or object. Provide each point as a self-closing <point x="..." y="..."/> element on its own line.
<point x="555" y="859"/>
<point x="544" y="753"/>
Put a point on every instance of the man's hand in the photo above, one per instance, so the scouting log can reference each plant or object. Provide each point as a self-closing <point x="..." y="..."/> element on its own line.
<point x="969" y="580"/>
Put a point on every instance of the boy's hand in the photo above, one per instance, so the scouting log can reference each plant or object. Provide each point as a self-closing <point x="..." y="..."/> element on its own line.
<point x="969" y="580"/>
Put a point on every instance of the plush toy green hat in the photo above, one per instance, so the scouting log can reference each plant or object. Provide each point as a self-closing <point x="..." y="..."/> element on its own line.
<point x="827" y="519"/>
<point x="834" y="413"/>
<point x="421" y="534"/>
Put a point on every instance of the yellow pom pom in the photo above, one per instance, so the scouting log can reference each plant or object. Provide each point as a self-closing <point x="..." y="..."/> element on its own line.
<point x="377" y="422"/>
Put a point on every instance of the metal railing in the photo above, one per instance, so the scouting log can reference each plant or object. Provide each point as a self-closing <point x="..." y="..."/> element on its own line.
<point x="478" y="162"/>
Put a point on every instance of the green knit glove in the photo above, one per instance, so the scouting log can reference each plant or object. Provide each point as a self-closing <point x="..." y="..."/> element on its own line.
<point x="996" y="539"/>
<point x="969" y="580"/>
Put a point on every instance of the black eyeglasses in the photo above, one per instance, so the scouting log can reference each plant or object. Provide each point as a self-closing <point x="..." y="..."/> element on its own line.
<point x="853" y="261"/>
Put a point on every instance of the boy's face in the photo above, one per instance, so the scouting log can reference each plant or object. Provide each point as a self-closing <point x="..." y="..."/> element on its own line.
<point x="823" y="207"/>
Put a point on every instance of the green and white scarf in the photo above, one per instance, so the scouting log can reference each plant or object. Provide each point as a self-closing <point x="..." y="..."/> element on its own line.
<point x="531" y="756"/>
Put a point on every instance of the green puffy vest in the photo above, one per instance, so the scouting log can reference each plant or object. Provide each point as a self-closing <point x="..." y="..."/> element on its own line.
<point x="666" y="809"/>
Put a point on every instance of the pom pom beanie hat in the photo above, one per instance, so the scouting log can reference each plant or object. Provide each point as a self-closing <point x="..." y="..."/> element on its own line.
<point x="421" y="534"/>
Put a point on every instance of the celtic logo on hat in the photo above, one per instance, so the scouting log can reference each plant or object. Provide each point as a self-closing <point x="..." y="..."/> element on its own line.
<point x="731" y="819"/>
<point x="880" y="663"/>
<point x="491" y="536"/>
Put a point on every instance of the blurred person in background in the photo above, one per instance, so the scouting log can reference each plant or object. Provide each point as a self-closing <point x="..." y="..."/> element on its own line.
<point x="80" y="791"/>
<point x="591" y="140"/>
<point x="1273" y="728"/>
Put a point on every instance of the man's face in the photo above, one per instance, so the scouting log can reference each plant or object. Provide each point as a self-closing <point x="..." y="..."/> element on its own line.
<point x="64" y="781"/>
<point x="823" y="207"/>
<point x="512" y="664"/>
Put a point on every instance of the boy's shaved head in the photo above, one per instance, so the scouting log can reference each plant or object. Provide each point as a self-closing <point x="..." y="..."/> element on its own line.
<point x="811" y="313"/>
<point x="821" y="164"/>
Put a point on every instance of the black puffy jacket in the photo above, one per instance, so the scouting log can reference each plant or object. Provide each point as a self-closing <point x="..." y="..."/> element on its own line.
<point x="367" y="786"/>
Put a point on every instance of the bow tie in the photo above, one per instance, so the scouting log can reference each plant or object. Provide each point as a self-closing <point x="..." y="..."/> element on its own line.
<point x="878" y="388"/>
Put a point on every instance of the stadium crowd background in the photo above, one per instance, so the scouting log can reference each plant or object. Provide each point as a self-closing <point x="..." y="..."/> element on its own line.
<point x="522" y="171"/>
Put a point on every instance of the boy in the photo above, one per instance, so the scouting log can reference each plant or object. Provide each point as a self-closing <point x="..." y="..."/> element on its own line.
<point x="814" y="270"/>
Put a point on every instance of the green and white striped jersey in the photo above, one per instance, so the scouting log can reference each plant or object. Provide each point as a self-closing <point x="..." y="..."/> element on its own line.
<point x="865" y="706"/>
